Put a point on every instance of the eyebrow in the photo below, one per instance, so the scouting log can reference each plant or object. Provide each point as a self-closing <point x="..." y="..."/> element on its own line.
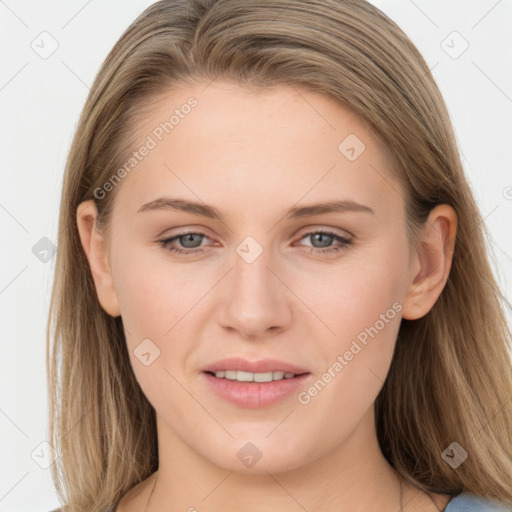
<point x="204" y="210"/>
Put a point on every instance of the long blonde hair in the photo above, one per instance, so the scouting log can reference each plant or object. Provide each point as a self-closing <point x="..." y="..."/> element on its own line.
<point x="450" y="379"/>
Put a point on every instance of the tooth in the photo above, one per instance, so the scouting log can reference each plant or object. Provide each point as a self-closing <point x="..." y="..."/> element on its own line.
<point x="243" y="376"/>
<point x="263" y="377"/>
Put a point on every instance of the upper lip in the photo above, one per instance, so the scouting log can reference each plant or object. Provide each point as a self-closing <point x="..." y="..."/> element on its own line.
<point x="260" y="366"/>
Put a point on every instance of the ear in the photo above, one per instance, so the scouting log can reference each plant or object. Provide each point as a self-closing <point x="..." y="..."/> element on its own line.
<point x="431" y="262"/>
<point x="95" y="248"/>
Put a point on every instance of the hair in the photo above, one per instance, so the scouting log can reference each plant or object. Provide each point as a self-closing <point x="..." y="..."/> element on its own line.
<point x="450" y="377"/>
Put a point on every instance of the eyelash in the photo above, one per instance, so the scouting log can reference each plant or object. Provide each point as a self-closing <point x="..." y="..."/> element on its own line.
<point x="344" y="243"/>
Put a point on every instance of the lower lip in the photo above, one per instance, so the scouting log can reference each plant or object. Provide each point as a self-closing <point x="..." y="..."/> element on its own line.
<point x="254" y="395"/>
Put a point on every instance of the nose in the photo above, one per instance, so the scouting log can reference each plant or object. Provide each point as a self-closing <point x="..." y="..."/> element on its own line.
<point x="257" y="301"/>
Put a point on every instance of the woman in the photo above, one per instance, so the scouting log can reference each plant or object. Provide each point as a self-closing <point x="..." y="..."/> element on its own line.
<point x="272" y="288"/>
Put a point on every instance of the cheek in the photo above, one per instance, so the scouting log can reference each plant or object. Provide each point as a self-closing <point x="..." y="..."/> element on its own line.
<point x="362" y="305"/>
<point x="156" y="294"/>
<point x="162" y="306"/>
<point x="154" y="300"/>
<point x="352" y="295"/>
<point x="360" y="301"/>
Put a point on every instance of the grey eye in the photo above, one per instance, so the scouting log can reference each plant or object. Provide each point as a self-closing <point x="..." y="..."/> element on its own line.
<point x="188" y="240"/>
<point x="324" y="239"/>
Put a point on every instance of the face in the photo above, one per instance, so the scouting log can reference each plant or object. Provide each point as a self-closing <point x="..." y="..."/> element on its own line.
<point x="268" y="286"/>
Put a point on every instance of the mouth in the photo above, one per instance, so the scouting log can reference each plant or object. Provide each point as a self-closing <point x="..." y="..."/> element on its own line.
<point x="254" y="385"/>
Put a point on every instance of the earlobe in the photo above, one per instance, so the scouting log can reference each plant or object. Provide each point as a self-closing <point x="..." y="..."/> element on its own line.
<point x="95" y="248"/>
<point x="431" y="262"/>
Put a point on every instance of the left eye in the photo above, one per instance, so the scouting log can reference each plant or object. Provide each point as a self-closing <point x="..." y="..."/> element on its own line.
<point x="324" y="237"/>
<point x="192" y="242"/>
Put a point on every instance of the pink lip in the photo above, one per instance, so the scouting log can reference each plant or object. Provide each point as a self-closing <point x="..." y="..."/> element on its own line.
<point x="254" y="395"/>
<point x="262" y="366"/>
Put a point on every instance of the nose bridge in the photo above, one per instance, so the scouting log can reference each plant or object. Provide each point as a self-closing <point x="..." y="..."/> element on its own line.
<point x="256" y="300"/>
<point x="252" y="277"/>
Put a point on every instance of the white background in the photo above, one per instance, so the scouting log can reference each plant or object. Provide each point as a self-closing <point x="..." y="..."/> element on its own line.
<point x="40" y="100"/>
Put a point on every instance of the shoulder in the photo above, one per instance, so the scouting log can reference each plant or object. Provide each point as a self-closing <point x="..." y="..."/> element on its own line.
<point x="467" y="502"/>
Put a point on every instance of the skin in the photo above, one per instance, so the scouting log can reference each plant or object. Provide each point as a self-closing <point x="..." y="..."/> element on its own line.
<point x="252" y="155"/>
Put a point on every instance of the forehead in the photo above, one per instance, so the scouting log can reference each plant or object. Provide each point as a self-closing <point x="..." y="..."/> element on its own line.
<point x="255" y="147"/>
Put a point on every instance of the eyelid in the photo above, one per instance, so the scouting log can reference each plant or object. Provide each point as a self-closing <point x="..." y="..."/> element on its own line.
<point x="327" y="229"/>
<point x="182" y="230"/>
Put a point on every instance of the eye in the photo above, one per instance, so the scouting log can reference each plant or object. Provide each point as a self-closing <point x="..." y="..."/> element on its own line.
<point x="190" y="240"/>
<point x="324" y="239"/>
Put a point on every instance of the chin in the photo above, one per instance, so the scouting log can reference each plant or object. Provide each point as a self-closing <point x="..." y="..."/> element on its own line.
<point x="259" y="456"/>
